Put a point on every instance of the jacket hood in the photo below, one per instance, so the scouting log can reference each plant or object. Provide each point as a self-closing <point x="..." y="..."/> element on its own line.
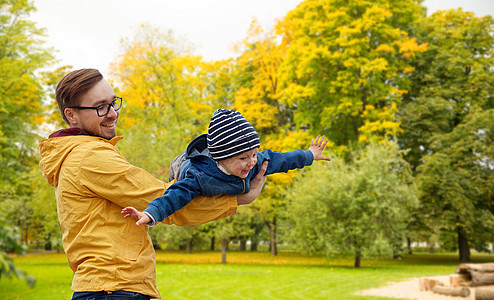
<point x="198" y="152"/>
<point x="198" y="147"/>
<point x="58" y="146"/>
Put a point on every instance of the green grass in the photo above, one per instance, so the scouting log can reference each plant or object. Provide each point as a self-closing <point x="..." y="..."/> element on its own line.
<point x="246" y="276"/>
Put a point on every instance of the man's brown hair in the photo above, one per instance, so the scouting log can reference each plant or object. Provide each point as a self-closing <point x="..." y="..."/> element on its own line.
<point x="73" y="85"/>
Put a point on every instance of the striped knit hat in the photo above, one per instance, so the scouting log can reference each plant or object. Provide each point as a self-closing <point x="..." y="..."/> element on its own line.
<point x="230" y="134"/>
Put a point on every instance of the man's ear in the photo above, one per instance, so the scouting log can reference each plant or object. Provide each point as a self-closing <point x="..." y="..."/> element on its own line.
<point x="71" y="117"/>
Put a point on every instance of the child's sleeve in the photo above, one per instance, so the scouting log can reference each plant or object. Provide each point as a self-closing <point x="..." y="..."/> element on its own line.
<point x="286" y="161"/>
<point x="175" y="197"/>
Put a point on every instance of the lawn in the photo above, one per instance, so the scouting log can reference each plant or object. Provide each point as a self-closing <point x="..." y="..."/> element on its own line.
<point x="248" y="275"/>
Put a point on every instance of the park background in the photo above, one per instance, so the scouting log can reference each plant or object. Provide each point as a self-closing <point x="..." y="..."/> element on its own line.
<point x="404" y="97"/>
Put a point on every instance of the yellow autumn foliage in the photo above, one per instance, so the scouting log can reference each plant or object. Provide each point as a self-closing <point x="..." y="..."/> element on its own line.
<point x="384" y="48"/>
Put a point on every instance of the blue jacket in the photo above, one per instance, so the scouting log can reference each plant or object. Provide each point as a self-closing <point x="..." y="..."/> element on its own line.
<point x="200" y="175"/>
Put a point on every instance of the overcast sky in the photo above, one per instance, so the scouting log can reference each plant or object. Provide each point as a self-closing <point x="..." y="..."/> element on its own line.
<point x="87" y="33"/>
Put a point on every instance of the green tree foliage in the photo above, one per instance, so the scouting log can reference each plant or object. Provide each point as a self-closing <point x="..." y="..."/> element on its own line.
<point x="457" y="181"/>
<point x="44" y="224"/>
<point x="185" y="238"/>
<point x="52" y="117"/>
<point x="36" y="214"/>
<point x="9" y="242"/>
<point x="360" y="208"/>
<point x="451" y="87"/>
<point x="244" y="225"/>
<point x="21" y="94"/>
<point x="22" y="55"/>
<point x="344" y="70"/>
<point x="451" y="79"/>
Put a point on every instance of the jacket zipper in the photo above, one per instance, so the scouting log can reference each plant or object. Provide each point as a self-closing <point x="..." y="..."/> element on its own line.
<point x="243" y="181"/>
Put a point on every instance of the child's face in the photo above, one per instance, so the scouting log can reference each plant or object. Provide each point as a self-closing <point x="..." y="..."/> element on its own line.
<point x="241" y="164"/>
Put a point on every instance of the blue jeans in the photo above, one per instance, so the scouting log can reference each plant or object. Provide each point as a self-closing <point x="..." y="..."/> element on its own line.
<point x="117" y="295"/>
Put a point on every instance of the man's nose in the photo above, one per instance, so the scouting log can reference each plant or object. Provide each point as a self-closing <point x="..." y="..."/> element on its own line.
<point x="112" y="113"/>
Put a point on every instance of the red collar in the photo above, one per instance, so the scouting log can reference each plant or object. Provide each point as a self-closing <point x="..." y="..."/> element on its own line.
<point x="68" y="132"/>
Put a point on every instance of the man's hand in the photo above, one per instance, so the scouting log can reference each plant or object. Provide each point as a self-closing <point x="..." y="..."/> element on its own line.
<point x="255" y="186"/>
<point x="140" y="217"/>
<point x="316" y="147"/>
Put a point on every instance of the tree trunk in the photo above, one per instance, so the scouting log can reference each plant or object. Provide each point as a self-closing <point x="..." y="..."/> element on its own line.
<point x="409" y="245"/>
<point x="212" y="243"/>
<point x="272" y="235"/>
<point x="355" y="126"/>
<point x="243" y="244"/>
<point x="463" y="246"/>
<point x="253" y="246"/>
<point x="188" y="246"/>
<point x="452" y="291"/>
<point x="25" y="234"/>
<point x="357" y="260"/>
<point x="396" y="255"/>
<point x="48" y="245"/>
<point x="224" y="245"/>
<point x="484" y="293"/>
<point x="431" y="247"/>
<point x="254" y="239"/>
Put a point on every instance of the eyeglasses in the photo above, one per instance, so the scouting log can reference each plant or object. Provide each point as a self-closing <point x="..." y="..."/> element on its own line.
<point x="103" y="109"/>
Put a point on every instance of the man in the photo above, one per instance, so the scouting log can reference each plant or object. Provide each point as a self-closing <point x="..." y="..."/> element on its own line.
<point x="110" y="256"/>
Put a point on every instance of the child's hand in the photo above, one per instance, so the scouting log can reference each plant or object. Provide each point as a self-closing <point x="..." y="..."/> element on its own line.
<point x="138" y="216"/>
<point x="316" y="147"/>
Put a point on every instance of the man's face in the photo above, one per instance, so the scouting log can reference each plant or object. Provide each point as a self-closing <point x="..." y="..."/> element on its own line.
<point x="240" y="165"/>
<point x="88" y="119"/>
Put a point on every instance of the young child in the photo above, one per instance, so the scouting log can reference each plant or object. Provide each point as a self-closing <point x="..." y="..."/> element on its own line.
<point x="223" y="161"/>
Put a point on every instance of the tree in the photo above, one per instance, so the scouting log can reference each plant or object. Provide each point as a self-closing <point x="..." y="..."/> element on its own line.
<point x="256" y="82"/>
<point x="22" y="55"/>
<point x="256" y="89"/>
<point x="242" y="226"/>
<point x="9" y="242"/>
<point x="179" y="237"/>
<point x="457" y="182"/>
<point x="33" y="208"/>
<point x="51" y="117"/>
<point x="21" y="93"/>
<point x="164" y="106"/>
<point x="360" y="208"/>
<point x="169" y="97"/>
<point x="231" y="228"/>
<point x="449" y="80"/>
<point x="223" y="232"/>
<point x="451" y="83"/>
<point x="345" y="65"/>
<point x="45" y="226"/>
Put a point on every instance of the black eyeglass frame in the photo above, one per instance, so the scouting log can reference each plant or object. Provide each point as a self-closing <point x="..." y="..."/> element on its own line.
<point x="111" y="104"/>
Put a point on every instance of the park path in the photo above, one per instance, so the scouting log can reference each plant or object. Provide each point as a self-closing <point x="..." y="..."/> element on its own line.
<point x="410" y="290"/>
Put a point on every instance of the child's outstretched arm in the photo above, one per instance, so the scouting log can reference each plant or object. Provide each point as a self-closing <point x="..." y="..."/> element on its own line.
<point x="138" y="216"/>
<point x="316" y="147"/>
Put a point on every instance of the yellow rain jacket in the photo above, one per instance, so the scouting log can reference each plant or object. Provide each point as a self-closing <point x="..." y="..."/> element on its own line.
<point x="93" y="182"/>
